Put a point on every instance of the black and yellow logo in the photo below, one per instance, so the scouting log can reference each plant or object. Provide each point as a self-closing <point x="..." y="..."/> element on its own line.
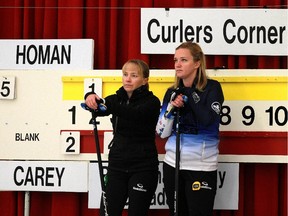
<point x="196" y="186"/>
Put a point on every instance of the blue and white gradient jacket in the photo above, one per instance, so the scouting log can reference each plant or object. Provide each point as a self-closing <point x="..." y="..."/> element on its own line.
<point x="199" y="128"/>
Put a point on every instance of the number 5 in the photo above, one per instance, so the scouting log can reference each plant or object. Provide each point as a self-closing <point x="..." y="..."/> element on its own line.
<point x="7" y="87"/>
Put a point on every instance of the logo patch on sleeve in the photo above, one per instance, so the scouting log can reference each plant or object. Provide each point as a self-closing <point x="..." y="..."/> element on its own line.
<point x="216" y="107"/>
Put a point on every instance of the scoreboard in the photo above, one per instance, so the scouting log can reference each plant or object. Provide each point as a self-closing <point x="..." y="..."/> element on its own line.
<point x="46" y="139"/>
<point x="41" y="117"/>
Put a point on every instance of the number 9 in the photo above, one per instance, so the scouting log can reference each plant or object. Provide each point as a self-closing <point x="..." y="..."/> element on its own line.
<point x="250" y="115"/>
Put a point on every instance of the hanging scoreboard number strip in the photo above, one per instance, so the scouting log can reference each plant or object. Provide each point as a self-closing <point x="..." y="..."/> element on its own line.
<point x="7" y="87"/>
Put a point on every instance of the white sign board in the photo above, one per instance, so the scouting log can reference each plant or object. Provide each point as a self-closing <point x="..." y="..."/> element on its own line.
<point x="227" y="195"/>
<point x="47" y="54"/>
<point x="218" y="31"/>
<point x="44" y="176"/>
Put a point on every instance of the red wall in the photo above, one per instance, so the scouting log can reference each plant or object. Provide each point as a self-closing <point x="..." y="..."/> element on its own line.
<point x="115" y="27"/>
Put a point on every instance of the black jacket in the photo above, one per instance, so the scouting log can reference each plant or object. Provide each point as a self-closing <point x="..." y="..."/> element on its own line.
<point x="134" y="121"/>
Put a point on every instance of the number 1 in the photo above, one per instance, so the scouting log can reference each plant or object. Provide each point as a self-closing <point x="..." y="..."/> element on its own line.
<point x="73" y="110"/>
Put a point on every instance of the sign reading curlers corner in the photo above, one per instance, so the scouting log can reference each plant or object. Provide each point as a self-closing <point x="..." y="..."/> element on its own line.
<point x="219" y="31"/>
<point x="47" y="54"/>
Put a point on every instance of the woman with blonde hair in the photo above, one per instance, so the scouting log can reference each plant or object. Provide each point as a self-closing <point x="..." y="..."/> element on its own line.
<point x="199" y="134"/>
<point x="133" y="159"/>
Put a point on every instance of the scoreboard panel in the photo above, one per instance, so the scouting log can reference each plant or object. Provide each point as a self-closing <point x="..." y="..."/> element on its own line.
<point x="41" y="117"/>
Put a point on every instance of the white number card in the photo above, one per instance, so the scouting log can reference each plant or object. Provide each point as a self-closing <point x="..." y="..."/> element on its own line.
<point x="7" y="87"/>
<point x="70" y="142"/>
<point x="93" y="85"/>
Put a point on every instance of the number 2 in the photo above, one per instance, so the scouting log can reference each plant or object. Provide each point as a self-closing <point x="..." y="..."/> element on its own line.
<point x="70" y="142"/>
<point x="70" y="146"/>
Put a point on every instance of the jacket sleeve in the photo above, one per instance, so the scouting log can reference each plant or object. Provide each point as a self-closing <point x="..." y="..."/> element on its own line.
<point x="99" y="112"/>
<point x="148" y="109"/>
<point x="206" y="105"/>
